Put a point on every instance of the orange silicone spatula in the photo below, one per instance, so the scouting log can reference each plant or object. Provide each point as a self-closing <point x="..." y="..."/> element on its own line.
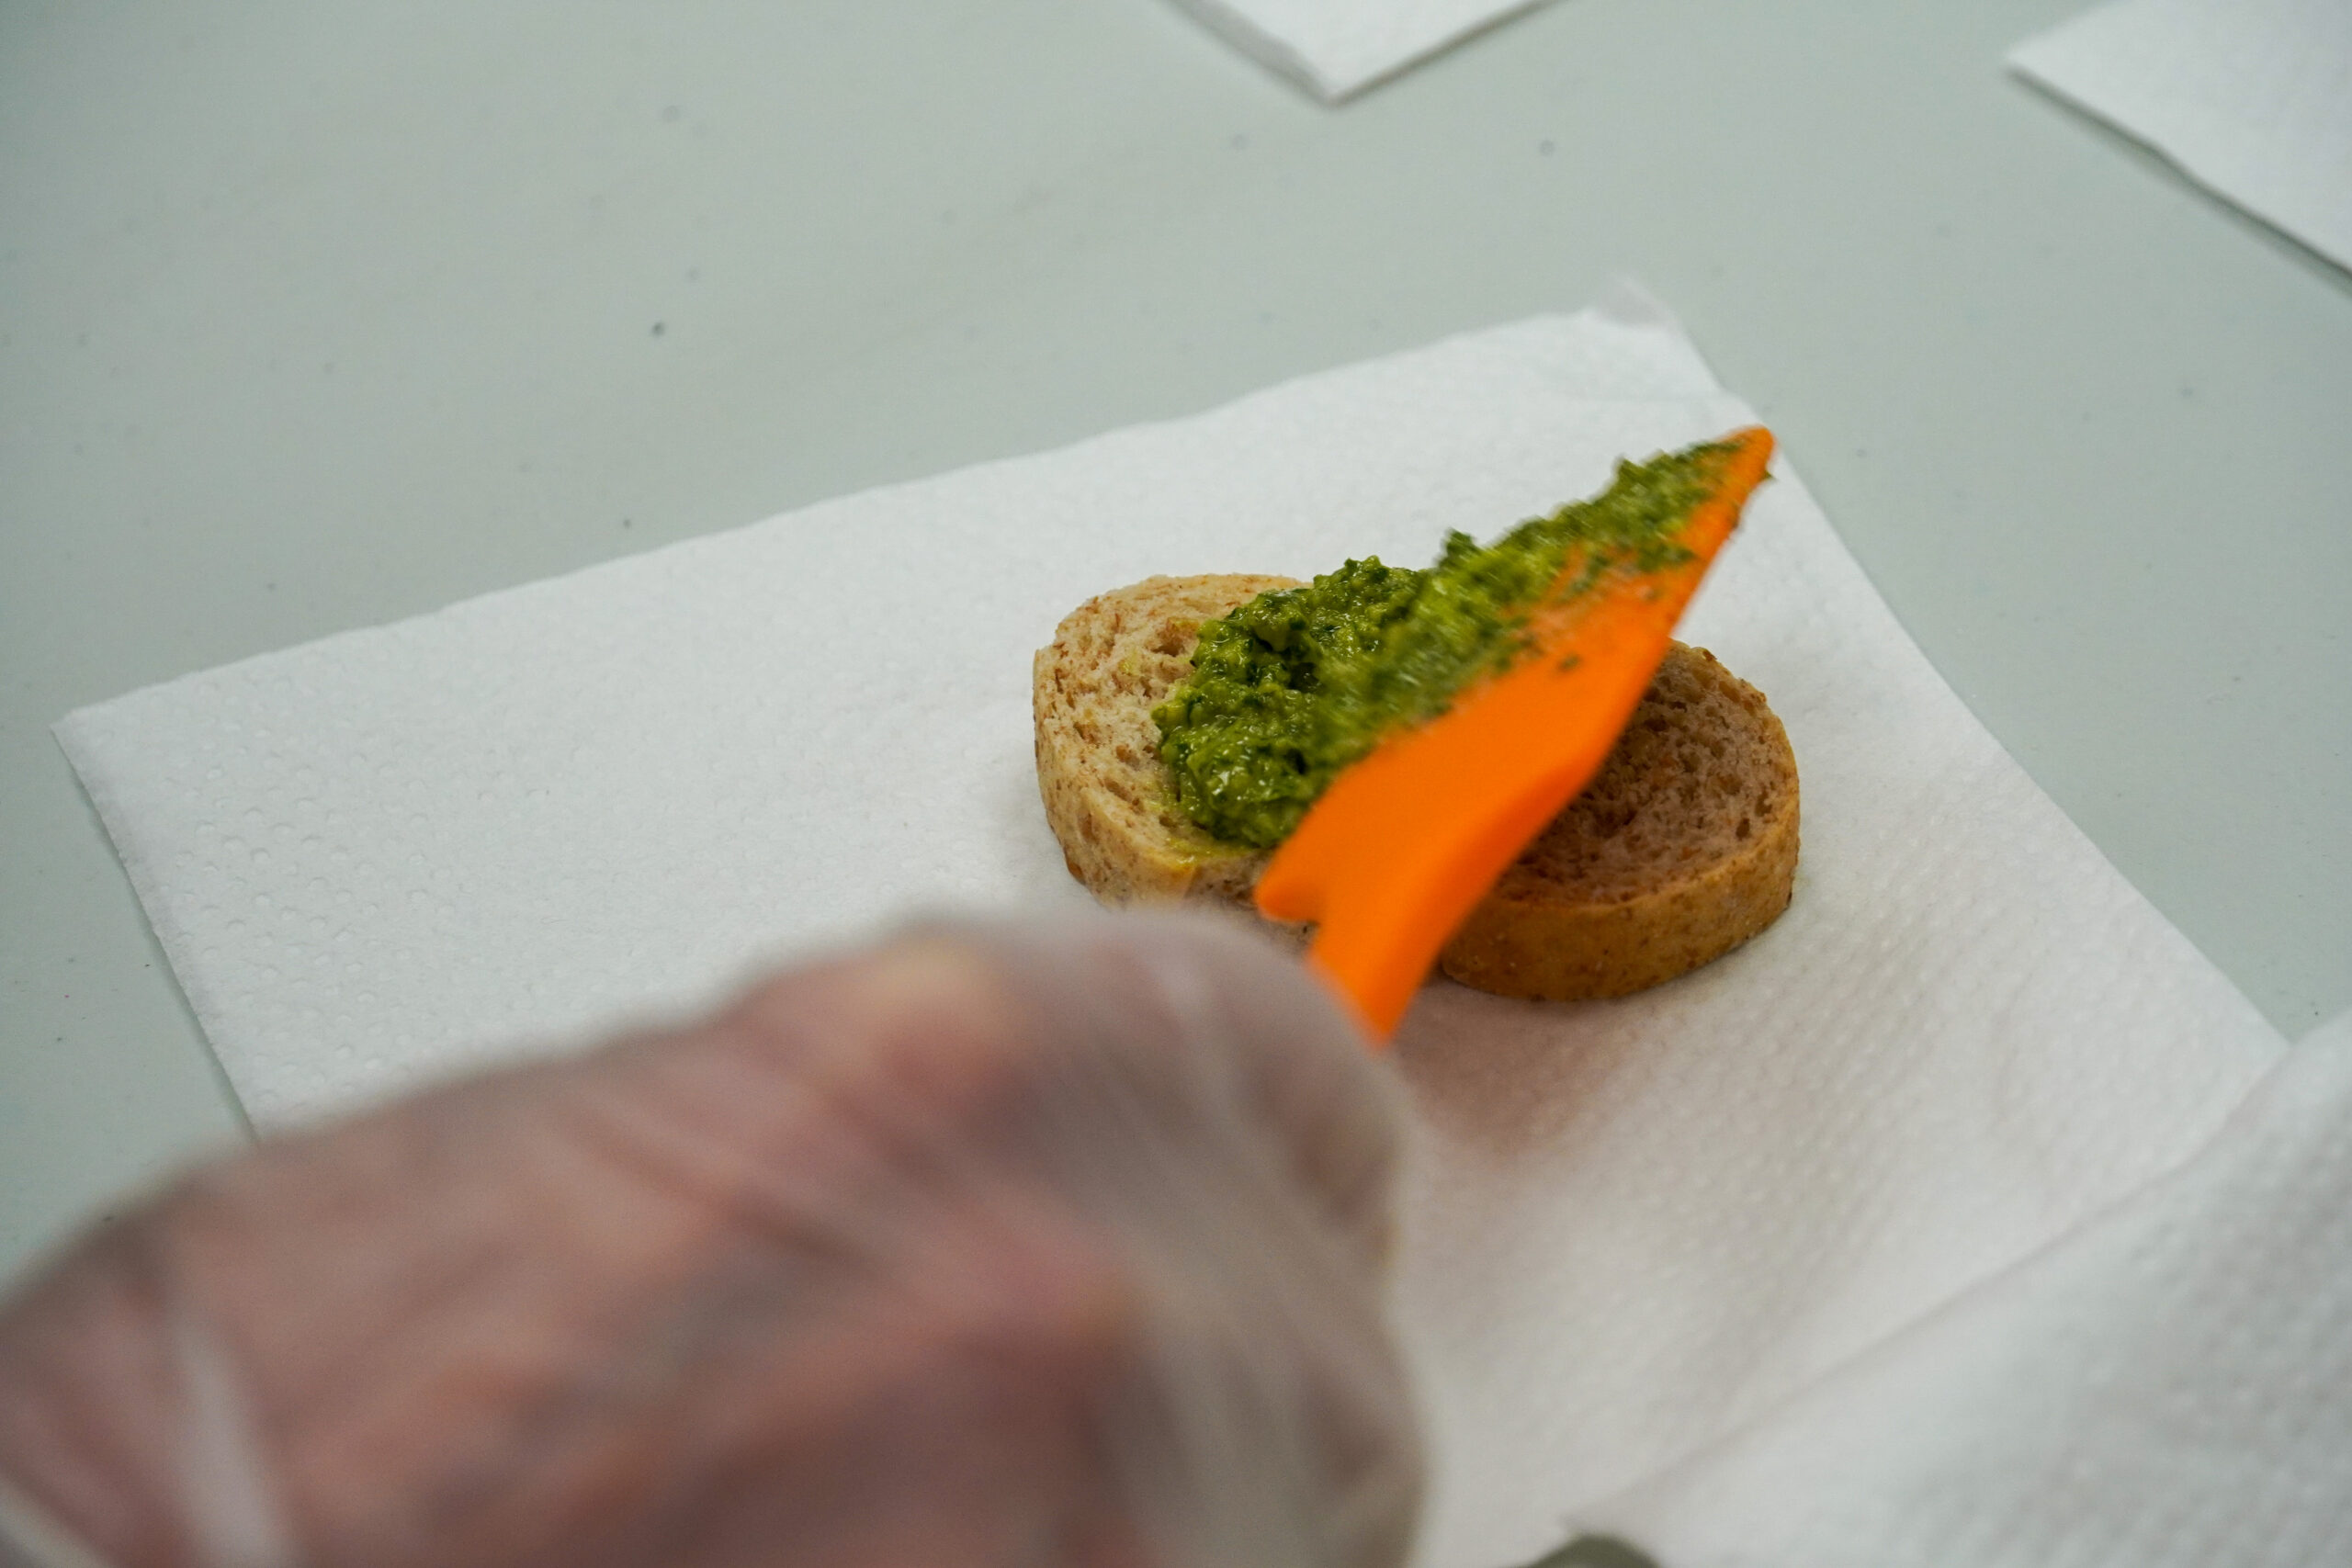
<point x="1403" y="844"/>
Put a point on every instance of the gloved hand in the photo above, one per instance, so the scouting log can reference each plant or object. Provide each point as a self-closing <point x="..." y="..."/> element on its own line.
<point x="996" y="1244"/>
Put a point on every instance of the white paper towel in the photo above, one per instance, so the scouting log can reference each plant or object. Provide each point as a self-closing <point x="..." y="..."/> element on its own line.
<point x="2251" y="98"/>
<point x="2170" y="1387"/>
<point x="1633" y="1227"/>
<point x="1337" y="48"/>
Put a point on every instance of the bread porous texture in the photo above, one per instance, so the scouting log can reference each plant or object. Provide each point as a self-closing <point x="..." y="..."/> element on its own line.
<point x="1114" y="659"/>
<point x="1683" y="846"/>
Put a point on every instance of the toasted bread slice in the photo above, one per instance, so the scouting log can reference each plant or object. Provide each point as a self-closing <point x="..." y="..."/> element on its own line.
<point x="1114" y="659"/>
<point x="1683" y="847"/>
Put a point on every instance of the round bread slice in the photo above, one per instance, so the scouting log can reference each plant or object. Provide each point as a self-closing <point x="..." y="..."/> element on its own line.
<point x="1682" y="848"/>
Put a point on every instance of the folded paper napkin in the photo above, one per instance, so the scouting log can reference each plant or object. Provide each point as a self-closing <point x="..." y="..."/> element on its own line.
<point x="1634" y="1229"/>
<point x="2251" y="98"/>
<point x="2169" y="1386"/>
<point x="1337" y="48"/>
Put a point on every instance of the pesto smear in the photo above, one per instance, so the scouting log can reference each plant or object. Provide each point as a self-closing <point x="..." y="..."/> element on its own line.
<point x="1299" y="682"/>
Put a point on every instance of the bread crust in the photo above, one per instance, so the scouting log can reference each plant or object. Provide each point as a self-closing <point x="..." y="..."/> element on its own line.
<point x="1683" y="847"/>
<point x="1092" y="690"/>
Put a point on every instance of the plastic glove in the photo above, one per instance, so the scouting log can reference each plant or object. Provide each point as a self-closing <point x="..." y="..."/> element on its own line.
<point x="997" y="1244"/>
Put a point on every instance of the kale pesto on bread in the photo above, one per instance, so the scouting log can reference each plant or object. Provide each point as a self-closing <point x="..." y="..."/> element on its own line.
<point x="1185" y="725"/>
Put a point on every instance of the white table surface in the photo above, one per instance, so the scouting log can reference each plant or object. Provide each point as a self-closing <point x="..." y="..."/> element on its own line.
<point x="312" y="317"/>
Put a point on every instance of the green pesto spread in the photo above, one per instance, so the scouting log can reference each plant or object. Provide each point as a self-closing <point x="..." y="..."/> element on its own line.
<point x="1299" y="682"/>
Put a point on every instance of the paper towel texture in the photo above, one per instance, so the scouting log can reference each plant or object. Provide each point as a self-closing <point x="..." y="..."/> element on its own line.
<point x="1337" y="48"/>
<point x="1632" y="1227"/>
<point x="2165" y="1388"/>
<point x="2251" y="98"/>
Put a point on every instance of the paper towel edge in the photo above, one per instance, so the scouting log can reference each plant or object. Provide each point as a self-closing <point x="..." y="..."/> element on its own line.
<point x="72" y="737"/>
<point x="1365" y="82"/>
<point x="2255" y="1026"/>
<point x="1648" y="314"/>
<point x="2028" y="62"/>
<point x="1264" y="47"/>
<point x="1335" y="88"/>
